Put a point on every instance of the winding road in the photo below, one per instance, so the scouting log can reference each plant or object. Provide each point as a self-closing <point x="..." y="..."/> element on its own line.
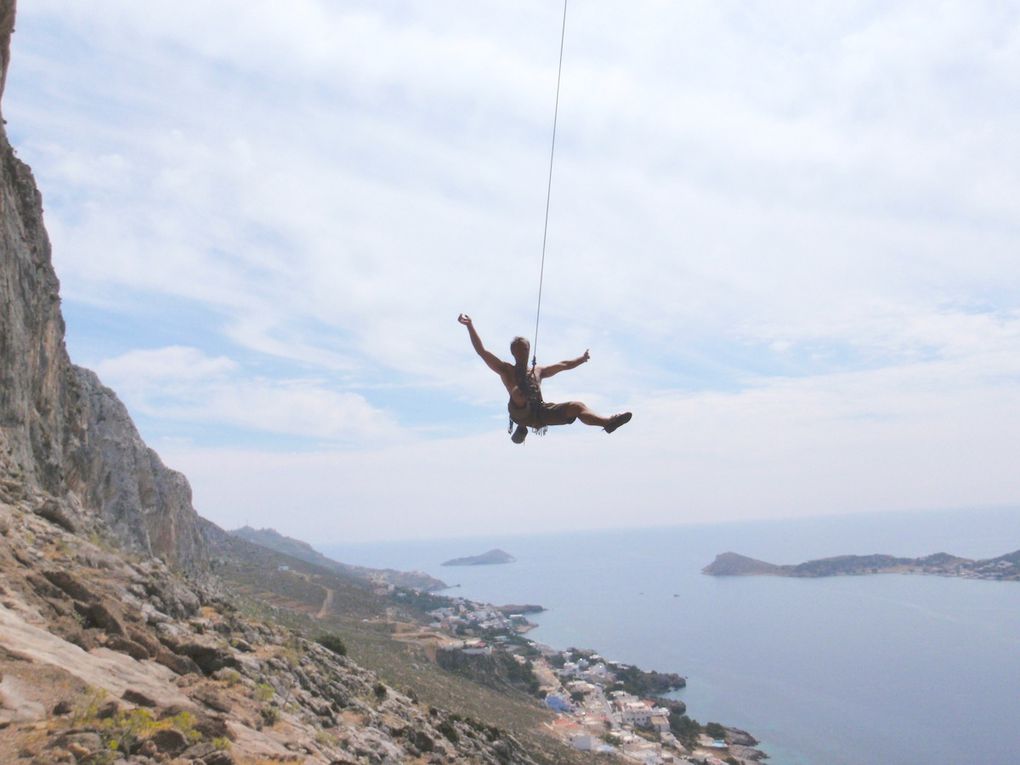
<point x="327" y="604"/>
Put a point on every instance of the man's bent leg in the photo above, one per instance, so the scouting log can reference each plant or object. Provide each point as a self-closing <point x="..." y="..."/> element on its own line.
<point x="588" y="417"/>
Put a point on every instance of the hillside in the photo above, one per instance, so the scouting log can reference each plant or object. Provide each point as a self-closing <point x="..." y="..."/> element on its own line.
<point x="295" y="548"/>
<point x="732" y="564"/>
<point x="1005" y="567"/>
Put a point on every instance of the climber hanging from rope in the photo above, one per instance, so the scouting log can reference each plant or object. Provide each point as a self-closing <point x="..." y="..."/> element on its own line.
<point x="526" y="407"/>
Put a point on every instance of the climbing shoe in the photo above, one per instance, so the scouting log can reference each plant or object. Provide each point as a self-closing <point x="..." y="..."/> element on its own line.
<point x="519" y="435"/>
<point x="617" y="420"/>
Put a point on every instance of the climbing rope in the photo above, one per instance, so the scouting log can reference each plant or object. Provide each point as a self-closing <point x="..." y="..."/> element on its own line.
<point x="548" y="190"/>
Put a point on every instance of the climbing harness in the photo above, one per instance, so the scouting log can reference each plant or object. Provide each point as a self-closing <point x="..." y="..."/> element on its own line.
<point x="548" y="190"/>
<point x="529" y="385"/>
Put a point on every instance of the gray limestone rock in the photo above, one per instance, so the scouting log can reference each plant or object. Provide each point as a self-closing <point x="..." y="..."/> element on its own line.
<point x="61" y="430"/>
<point x="58" y="513"/>
<point x="147" y="505"/>
<point x="171" y="741"/>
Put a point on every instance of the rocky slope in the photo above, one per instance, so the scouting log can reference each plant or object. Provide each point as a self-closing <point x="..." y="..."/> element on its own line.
<point x="110" y="658"/>
<point x="61" y="430"/>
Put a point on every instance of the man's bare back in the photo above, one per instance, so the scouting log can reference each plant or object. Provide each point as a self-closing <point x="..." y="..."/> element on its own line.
<point x="524" y="388"/>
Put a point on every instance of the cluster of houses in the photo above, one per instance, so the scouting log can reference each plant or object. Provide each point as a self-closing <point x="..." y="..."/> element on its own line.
<point x="592" y="669"/>
<point x="462" y="617"/>
<point x="589" y="717"/>
<point x="594" y="720"/>
<point x="618" y="722"/>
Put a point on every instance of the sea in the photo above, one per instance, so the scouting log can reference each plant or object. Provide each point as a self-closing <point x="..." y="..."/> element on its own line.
<point x="887" y="669"/>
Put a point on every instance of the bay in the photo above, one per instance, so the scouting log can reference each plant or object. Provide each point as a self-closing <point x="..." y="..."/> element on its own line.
<point x="897" y="669"/>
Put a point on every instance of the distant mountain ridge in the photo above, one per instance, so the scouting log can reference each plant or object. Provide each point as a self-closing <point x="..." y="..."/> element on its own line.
<point x="274" y="540"/>
<point x="491" y="558"/>
<point x="1003" y="568"/>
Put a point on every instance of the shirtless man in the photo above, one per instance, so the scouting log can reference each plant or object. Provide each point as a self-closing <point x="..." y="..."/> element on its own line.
<point x="526" y="406"/>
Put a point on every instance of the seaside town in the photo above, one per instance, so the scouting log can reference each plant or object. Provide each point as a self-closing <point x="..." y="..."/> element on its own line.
<point x="602" y="706"/>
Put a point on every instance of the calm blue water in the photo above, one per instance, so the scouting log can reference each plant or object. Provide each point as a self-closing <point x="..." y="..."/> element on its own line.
<point x="886" y="669"/>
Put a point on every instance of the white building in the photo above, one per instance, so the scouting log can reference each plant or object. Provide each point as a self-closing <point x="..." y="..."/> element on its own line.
<point x="635" y="712"/>
<point x="586" y="742"/>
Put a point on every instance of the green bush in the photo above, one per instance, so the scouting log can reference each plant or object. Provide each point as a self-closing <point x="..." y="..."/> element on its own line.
<point x="684" y="728"/>
<point x="270" y="715"/>
<point x="447" y="729"/>
<point x="715" y="730"/>
<point x="333" y="642"/>
<point x="264" y="692"/>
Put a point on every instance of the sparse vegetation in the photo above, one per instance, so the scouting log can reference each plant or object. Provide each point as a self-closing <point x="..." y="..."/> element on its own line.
<point x="122" y="731"/>
<point x="497" y="670"/>
<point x="323" y="738"/>
<point x="270" y="715"/>
<point x="264" y="692"/>
<point x="87" y="709"/>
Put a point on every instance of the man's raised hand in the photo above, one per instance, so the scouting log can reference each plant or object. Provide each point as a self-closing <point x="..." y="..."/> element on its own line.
<point x="464" y="319"/>
<point x="586" y="356"/>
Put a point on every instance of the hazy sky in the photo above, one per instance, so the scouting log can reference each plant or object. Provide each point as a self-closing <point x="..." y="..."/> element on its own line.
<point x="789" y="232"/>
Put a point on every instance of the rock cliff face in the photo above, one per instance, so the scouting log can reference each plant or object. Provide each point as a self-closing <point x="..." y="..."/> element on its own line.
<point x="61" y="430"/>
<point x="114" y="472"/>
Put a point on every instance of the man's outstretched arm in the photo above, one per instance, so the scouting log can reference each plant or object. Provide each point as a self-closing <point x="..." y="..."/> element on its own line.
<point x="491" y="360"/>
<point x="554" y="369"/>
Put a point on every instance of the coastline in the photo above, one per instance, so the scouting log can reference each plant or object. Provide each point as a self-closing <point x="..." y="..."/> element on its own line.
<point x="802" y="691"/>
<point x="600" y="705"/>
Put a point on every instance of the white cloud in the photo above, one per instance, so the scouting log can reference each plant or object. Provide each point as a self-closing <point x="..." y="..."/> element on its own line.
<point x="926" y="435"/>
<point x="799" y="203"/>
<point x="171" y="365"/>
<point x="184" y="384"/>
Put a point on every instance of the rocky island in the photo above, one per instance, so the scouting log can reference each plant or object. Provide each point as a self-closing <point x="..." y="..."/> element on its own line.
<point x="1005" y="567"/>
<point x="490" y="558"/>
